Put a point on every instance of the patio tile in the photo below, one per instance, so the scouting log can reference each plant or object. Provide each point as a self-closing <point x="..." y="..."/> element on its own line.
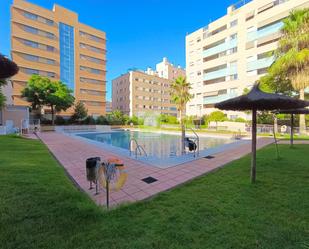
<point x="72" y="154"/>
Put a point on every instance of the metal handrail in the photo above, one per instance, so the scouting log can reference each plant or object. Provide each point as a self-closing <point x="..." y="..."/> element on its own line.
<point x="198" y="142"/>
<point x="138" y="147"/>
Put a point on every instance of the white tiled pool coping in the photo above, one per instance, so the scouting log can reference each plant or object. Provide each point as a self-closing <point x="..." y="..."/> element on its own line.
<point x="165" y="162"/>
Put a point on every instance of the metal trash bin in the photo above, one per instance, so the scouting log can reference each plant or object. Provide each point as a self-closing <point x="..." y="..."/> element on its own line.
<point x="92" y="169"/>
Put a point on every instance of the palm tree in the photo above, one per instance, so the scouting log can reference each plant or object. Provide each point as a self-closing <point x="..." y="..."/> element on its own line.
<point x="181" y="96"/>
<point x="292" y="54"/>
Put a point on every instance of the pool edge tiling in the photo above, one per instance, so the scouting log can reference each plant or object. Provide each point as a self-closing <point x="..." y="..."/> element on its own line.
<point x="163" y="162"/>
<point x="72" y="154"/>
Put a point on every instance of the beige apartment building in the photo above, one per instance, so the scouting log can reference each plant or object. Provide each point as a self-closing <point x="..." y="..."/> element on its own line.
<point x="140" y="93"/>
<point x="53" y="43"/>
<point x="231" y="53"/>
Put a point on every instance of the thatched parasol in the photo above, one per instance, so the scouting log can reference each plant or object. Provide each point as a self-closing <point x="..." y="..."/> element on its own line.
<point x="8" y="68"/>
<point x="292" y="112"/>
<point x="259" y="100"/>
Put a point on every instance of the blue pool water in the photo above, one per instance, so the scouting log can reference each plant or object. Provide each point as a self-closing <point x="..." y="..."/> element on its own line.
<point x="158" y="146"/>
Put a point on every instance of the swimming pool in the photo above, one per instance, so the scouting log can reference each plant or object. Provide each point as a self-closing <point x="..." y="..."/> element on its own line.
<point x="162" y="149"/>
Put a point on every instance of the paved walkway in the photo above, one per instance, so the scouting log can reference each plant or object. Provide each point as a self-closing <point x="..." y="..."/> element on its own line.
<point x="72" y="154"/>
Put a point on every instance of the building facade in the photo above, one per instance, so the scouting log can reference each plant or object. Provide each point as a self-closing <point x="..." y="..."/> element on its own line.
<point x="53" y="43"/>
<point x="232" y="53"/>
<point x="140" y="93"/>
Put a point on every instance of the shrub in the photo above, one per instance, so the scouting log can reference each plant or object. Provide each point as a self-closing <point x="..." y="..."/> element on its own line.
<point x="265" y="117"/>
<point x="240" y="120"/>
<point x="101" y="120"/>
<point x="216" y="116"/>
<point x="89" y="120"/>
<point x="60" y="120"/>
<point x="135" y="121"/>
<point x="80" y="112"/>
<point x="167" y="119"/>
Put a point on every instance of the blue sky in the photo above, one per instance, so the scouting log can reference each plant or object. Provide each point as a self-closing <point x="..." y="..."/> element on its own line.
<point x="139" y="32"/>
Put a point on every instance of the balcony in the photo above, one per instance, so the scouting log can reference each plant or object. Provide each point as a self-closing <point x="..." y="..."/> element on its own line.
<point x="219" y="98"/>
<point x="220" y="48"/>
<point x="271" y="29"/>
<point x="261" y="63"/>
<point x="221" y="73"/>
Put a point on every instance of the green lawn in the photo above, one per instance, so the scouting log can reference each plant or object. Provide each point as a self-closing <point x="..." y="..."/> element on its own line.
<point x="41" y="208"/>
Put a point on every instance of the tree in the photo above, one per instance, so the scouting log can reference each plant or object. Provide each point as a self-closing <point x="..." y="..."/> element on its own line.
<point x="181" y="96"/>
<point x="80" y="111"/>
<point x="292" y="54"/>
<point x="41" y="91"/>
<point x="116" y="117"/>
<point x="8" y="69"/>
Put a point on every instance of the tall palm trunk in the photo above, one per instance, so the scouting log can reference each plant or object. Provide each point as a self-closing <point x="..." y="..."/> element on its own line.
<point x="183" y="133"/>
<point x="302" y="120"/>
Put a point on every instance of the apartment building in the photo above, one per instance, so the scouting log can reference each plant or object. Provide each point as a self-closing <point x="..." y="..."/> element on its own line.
<point x="53" y="43"/>
<point x="231" y="53"/>
<point x="140" y="93"/>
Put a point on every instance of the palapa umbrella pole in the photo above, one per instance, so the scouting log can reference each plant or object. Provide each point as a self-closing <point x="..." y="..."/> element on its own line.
<point x="253" y="148"/>
<point x="292" y="132"/>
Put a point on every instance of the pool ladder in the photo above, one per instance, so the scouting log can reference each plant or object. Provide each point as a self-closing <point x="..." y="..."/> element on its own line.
<point x="197" y="142"/>
<point x="138" y="148"/>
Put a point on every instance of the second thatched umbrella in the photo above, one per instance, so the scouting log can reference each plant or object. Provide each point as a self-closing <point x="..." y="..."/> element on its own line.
<point x="258" y="100"/>
<point x="293" y="112"/>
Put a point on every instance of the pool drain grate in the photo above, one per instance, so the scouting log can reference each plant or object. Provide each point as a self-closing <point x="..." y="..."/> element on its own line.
<point x="209" y="157"/>
<point x="149" y="180"/>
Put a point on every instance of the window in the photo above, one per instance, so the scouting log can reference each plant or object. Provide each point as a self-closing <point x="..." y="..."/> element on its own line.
<point x="233" y="50"/>
<point x="250" y="16"/>
<point x="30" y="16"/>
<point x="49" y="22"/>
<point x="38" y="18"/>
<point x="234" y="77"/>
<point x="31" y="57"/>
<point x="93" y="103"/>
<point x="233" y="90"/>
<point x="90" y="70"/>
<point x="31" y="43"/>
<point x="67" y="51"/>
<point x="218" y="30"/>
<point x="90" y="36"/>
<point x="233" y="23"/>
<point x="92" y="59"/>
<point x="217" y="80"/>
<point x="233" y="36"/>
<point x="50" y="62"/>
<point x="91" y="92"/>
<point x="38" y="32"/>
<point x="30" y="71"/>
<point x="50" y="48"/>
<point x="31" y="29"/>
<point x="262" y="71"/>
<point x="222" y="92"/>
<point x="50" y="74"/>
<point x="91" y="81"/>
<point x="92" y="48"/>
<point x="250" y="29"/>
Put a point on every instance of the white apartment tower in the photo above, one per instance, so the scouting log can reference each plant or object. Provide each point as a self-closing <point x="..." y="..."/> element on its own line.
<point x="231" y="53"/>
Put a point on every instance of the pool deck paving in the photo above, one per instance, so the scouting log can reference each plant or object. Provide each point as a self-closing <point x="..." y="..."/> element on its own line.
<point x="72" y="154"/>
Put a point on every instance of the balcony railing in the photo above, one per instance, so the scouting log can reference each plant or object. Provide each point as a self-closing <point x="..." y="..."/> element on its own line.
<point x="221" y="73"/>
<point x="220" y="48"/>
<point x="219" y="98"/>
<point x="254" y="35"/>
<point x="261" y="63"/>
